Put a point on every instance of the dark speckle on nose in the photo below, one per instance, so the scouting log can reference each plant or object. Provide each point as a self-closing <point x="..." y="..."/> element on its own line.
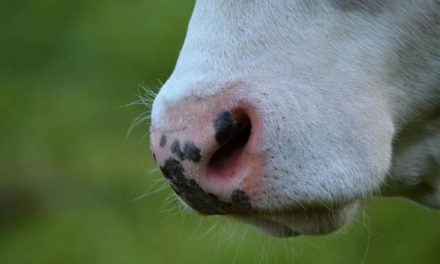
<point x="175" y="148"/>
<point x="163" y="141"/>
<point x="239" y="197"/>
<point x="196" y="197"/>
<point x="224" y="127"/>
<point x="191" y="152"/>
<point x="173" y="170"/>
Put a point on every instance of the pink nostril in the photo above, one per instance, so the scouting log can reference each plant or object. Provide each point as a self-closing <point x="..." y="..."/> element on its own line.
<point x="232" y="133"/>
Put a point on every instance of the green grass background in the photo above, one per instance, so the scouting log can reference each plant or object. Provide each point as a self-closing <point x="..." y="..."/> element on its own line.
<point x="69" y="180"/>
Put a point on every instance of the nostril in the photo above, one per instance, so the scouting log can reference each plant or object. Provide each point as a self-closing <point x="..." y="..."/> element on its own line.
<point x="233" y="132"/>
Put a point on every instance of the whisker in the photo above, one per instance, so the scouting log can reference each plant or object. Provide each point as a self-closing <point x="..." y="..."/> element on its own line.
<point x="145" y="97"/>
<point x="154" y="171"/>
<point x="151" y="192"/>
<point x="366" y="222"/>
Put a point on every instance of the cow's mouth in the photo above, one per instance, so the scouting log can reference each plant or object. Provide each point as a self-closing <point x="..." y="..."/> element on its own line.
<point x="294" y="222"/>
<point x="269" y="226"/>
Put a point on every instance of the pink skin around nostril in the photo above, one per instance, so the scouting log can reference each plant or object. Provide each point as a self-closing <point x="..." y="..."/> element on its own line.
<point x="224" y="157"/>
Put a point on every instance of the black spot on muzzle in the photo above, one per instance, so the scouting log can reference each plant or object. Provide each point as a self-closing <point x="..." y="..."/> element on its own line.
<point x="239" y="197"/>
<point x="175" y="149"/>
<point x="163" y="141"/>
<point x="197" y="198"/>
<point x="190" y="151"/>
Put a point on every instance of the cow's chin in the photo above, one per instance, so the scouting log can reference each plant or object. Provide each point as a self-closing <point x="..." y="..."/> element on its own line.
<point x="295" y="222"/>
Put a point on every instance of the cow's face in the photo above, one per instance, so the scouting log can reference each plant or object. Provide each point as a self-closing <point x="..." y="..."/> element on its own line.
<point x="276" y="113"/>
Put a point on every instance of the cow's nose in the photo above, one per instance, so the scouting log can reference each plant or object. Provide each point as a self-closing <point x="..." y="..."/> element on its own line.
<point x="207" y="158"/>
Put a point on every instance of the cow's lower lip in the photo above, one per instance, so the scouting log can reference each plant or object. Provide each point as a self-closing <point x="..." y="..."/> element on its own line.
<point x="295" y="222"/>
<point x="269" y="226"/>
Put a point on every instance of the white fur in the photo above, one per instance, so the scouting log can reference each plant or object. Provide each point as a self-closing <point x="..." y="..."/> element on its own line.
<point x="352" y="93"/>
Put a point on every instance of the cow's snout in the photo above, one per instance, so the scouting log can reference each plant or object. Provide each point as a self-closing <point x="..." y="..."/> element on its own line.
<point x="206" y="148"/>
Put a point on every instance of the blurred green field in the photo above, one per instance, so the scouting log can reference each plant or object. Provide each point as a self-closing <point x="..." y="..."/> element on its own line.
<point x="69" y="180"/>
